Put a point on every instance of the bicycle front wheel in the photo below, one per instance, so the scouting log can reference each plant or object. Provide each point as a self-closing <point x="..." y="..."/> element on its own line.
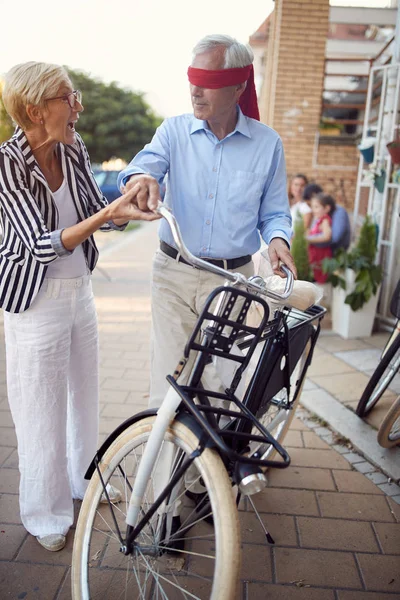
<point x="389" y="431"/>
<point x="278" y="414"/>
<point x="208" y="564"/>
<point x="381" y="379"/>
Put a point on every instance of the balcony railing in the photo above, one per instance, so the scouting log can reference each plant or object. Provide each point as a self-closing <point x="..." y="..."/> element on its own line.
<point x="345" y="92"/>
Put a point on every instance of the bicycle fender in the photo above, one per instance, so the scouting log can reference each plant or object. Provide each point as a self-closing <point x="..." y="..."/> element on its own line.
<point x="150" y="412"/>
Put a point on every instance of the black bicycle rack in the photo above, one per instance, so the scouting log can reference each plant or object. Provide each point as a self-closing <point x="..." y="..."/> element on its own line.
<point x="220" y="332"/>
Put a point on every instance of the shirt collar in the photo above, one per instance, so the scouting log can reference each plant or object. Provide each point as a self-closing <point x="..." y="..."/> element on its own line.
<point x="242" y="125"/>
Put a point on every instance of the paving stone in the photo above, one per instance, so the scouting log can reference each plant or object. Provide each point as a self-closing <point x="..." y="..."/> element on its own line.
<point x="333" y="366"/>
<point x="256" y="563"/>
<point x="336" y="534"/>
<point x="311" y="440"/>
<point x="364" y="467"/>
<point x="308" y="457"/>
<point x="380" y="573"/>
<point x="350" y="481"/>
<point x="12" y="461"/>
<point x="377" y="477"/>
<point x="396" y="499"/>
<point x="302" y="478"/>
<point x="298" y="425"/>
<point x="286" y="501"/>
<point x="31" y="551"/>
<point x="281" y="527"/>
<point x="9" y="481"/>
<point x="8" y="437"/>
<point x="5" y="452"/>
<point x="346" y="595"/>
<point x="394" y="507"/>
<point x="117" y="396"/>
<point x="117" y="410"/>
<point x="317" y="567"/>
<point x="335" y="343"/>
<point x="391" y="489"/>
<point x="264" y="591"/>
<point x="6" y="419"/>
<point x="360" y="507"/>
<point x="9" y="509"/>
<point x="30" y="581"/>
<point x="293" y="439"/>
<point x="389" y="537"/>
<point x="354" y="457"/>
<point x="349" y="386"/>
<point x="11" y="538"/>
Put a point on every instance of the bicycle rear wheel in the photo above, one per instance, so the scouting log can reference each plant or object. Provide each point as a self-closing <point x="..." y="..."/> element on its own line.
<point x="209" y="565"/>
<point x="389" y="431"/>
<point x="380" y="379"/>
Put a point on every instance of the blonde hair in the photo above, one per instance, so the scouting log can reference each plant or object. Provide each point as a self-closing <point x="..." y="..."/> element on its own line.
<point x="31" y="83"/>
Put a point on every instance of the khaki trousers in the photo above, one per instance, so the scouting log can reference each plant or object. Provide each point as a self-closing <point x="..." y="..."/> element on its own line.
<point x="178" y="295"/>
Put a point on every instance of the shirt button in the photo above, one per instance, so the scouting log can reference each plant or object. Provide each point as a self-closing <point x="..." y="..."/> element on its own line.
<point x="204" y="248"/>
<point x="208" y="222"/>
<point x="211" y="196"/>
<point x="214" y="169"/>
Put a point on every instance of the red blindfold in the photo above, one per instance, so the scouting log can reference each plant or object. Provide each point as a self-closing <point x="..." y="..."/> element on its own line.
<point x="210" y="79"/>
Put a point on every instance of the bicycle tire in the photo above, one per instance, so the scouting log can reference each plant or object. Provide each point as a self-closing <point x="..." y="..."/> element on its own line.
<point x="389" y="431"/>
<point x="380" y="379"/>
<point x="92" y="553"/>
<point x="277" y="419"/>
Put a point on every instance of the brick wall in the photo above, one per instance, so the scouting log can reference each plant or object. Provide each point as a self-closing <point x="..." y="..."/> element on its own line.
<point x="290" y="99"/>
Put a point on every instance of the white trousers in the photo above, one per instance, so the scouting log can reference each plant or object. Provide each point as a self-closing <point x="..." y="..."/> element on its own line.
<point x="52" y="380"/>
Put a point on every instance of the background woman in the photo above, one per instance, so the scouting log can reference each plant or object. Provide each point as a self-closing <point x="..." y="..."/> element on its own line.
<point x="50" y="206"/>
<point x="298" y="207"/>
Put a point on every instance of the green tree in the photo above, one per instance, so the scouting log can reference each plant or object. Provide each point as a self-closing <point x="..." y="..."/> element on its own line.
<point x="6" y="125"/>
<point x="299" y="250"/>
<point x="116" y="122"/>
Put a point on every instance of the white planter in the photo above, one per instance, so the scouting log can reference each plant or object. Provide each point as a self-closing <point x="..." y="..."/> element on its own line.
<point x="345" y="321"/>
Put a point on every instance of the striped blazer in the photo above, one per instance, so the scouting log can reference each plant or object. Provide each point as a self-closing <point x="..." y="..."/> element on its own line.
<point x="28" y="216"/>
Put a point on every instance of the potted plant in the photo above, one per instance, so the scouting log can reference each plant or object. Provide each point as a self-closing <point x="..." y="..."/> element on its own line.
<point x="356" y="280"/>
<point x="328" y="126"/>
<point x="299" y="249"/>
<point x="367" y="149"/>
<point x="394" y="149"/>
<point x="376" y="175"/>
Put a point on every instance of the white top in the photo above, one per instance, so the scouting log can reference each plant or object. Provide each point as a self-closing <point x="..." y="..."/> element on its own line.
<point x="298" y="210"/>
<point x="73" y="265"/>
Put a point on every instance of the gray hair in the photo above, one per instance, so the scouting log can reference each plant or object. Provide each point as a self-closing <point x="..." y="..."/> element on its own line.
<point x="31" y="83"/>
<point x="236" y="54"/>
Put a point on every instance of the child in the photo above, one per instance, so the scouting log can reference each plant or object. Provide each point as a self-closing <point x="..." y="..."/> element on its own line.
<point x="322" y="206"/>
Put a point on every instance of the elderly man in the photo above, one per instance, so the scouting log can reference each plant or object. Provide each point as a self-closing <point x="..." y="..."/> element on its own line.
<point x="226" y="186"/>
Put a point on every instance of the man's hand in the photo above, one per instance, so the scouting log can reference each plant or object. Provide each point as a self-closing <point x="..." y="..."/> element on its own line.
<point x="125" y="209"/>
<point x="147" y="194"/>
<point x="279" y="252"/>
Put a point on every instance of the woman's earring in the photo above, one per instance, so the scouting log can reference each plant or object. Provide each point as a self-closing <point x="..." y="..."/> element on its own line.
<point x="41" y="121"/>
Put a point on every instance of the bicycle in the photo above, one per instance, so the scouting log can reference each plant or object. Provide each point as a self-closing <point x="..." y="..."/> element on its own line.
<point x="389" y="430"/>
<point x="388" y="366"/>
<point x="176" y="531"/>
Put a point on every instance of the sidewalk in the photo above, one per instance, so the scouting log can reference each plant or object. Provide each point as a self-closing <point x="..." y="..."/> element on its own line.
<point x="337" y="533"/>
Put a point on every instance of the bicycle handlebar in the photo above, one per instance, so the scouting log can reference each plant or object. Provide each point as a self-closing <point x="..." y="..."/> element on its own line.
<point x="255" y="283"/>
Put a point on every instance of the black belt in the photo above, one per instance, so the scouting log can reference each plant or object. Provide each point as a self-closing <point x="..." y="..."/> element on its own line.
<point x="229" y="263"/>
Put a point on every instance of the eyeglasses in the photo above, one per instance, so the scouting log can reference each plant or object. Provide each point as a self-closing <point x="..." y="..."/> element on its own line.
<point x="72" y="98"/>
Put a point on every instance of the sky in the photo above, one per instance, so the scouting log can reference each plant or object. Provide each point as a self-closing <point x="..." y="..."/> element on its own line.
<point x="143" y="45"/>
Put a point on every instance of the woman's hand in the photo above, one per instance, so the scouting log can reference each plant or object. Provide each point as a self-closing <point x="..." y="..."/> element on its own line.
<point x="126" y="208"/>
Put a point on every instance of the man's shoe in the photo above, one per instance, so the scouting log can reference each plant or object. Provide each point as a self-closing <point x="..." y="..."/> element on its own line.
<point x="173" y="546"/>
<point x="202" y="505"/>
<point x="53" y="542"/>
<point x="113" y="493"/>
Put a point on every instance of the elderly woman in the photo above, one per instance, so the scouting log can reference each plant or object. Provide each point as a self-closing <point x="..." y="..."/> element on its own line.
<point x="50" y="206"/>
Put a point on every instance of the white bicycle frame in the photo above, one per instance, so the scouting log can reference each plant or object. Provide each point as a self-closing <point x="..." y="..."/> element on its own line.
<point x="167" y="411"/>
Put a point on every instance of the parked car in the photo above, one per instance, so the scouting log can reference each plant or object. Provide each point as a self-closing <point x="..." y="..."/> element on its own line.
<point x="107" y="182"/>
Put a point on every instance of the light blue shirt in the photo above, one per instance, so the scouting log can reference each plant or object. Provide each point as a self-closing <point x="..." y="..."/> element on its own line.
<point x="223" y="193"/>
